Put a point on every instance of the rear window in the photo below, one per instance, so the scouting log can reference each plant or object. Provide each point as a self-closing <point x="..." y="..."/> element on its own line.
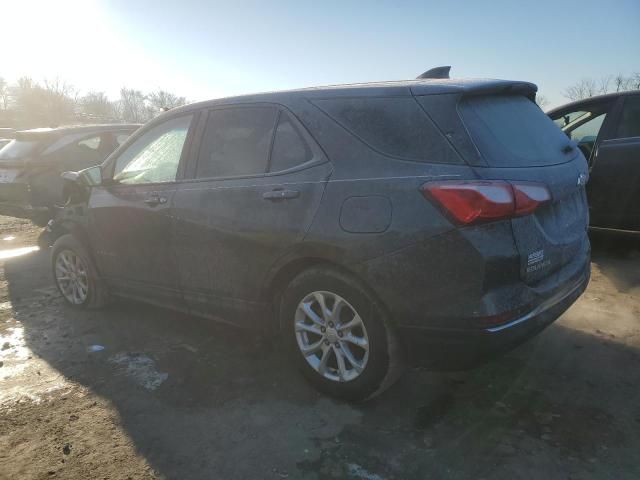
<point x="395" y="126"/>
<point x="512" y="131"/>
<point x="289" y="148"/>
<point x="16" y="149"/>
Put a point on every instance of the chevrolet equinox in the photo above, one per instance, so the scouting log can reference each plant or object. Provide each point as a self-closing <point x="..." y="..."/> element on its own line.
<point x="430" y="221"/>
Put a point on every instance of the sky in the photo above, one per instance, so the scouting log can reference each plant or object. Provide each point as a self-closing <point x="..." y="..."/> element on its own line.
<point x="206" y="49"/>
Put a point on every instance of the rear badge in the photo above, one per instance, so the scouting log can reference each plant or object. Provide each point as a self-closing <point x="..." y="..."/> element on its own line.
<point x="536" y="261"/>
<point x="582" y="179"/>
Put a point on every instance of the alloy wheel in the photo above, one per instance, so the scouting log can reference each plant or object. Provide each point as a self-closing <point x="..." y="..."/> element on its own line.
<point x="72" y="277"/>
<point x="331" y="336"/>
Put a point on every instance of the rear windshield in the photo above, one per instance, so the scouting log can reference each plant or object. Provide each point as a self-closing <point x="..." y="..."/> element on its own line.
<point x="16" y="149"/>
<point x="394" y="126"/>
<point x="512" y="131"/>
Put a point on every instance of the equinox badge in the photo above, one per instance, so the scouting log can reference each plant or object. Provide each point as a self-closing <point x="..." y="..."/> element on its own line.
<point x="582" y="179"/>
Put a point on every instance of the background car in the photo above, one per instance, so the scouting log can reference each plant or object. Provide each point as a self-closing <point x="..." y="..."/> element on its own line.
<point x="31" y="164"/>
<point x="435" y="220"/>
<point x="607" y="130"/>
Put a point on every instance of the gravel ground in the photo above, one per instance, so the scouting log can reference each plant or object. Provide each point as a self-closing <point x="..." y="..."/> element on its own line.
<point x="136" y="392"/>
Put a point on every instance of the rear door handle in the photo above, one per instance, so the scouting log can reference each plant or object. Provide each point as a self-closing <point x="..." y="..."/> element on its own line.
<point x="155" y="199"/>
<point x="280" y="194"/>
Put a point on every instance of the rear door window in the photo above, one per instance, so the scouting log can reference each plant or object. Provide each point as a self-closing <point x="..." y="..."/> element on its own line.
<point x="394" y="126"/>
<point x="512" y="131"/>
<point x="629" y="125"/>
<point x="289" y="148"/>
<point x="236" y="142"/>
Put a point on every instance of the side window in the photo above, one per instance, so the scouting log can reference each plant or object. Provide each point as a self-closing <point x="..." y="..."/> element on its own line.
<point x="236" y="142"/>
<point x="289" y="148"/>
<point x="588" y="131"/>
<point x="564" y="120"/>
<point x="629" y="125"/>
<point x="77" y="154"/>
<point x="395" y="126"/>
<point x="154" y="157"/>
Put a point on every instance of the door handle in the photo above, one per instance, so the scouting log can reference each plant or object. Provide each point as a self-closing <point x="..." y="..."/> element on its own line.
<point x="280" y="194"/>
<point x="154" y="199"/>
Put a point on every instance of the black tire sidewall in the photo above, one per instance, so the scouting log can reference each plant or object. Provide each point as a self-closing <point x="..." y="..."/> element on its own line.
<point x="69" y="242"/>
<point x="323" y="279"/>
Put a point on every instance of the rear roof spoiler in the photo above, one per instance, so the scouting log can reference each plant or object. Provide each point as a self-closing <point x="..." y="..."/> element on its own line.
<point x="473" y="87"/>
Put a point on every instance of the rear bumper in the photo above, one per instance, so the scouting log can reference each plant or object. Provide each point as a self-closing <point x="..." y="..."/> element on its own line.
<point x="15" y="193"/>
<point x="22" y="211"/>
<point x="461" y="349"/>
<point x="15" y="201"/>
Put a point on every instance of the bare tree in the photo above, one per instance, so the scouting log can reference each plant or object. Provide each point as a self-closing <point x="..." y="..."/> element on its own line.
<point x="37" y="105"/>
<point x="133" y="106"/>
<point x="634" y="82"/>
<point x="59" y="101"/>
<point x="620" y="82"/>
<point x="542" y="101"/>
<point x="27" y="103"/>
<point x="27" y="96"/>
<point x="604" y="84"/>
<point x="25" y="83"/>
<point x="585" y="88"/>
<point x="162" y="101"/>
<point x="4" y="93"/>
<point x="96" y="104"/>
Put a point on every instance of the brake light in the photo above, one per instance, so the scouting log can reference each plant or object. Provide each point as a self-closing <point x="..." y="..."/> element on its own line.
<point x="486" y="201"/>
<point x="529" y="196"/>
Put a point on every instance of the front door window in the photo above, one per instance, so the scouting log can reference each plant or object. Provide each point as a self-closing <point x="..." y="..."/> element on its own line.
<point x="154" y="157"/>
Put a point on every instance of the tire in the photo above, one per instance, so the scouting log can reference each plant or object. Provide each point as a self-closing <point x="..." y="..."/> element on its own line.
<point x="70" y="255"/>
<point x="371" y="342"/>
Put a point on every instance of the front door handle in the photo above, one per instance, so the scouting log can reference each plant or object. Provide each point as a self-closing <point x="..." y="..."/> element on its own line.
<point x="155" y="199"/>
<point x="280" y="194"/>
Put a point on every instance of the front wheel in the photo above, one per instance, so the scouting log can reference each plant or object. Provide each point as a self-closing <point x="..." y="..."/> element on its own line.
<point x="75" y="274"/>
<point x="338" y="335"/>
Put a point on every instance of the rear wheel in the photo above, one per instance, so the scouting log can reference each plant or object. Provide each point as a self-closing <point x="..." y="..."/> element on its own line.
<point x="338" y="335"/>
<point x="75" y="274"/>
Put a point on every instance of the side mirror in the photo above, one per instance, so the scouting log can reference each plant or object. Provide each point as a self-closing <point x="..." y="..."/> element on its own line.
<point x="89" y="177"/>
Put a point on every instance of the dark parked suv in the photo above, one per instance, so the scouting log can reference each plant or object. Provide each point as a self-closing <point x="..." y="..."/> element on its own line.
<point x="31" y="164"/>
<point x="438" y="221"/>
<point x="607" y="130"/>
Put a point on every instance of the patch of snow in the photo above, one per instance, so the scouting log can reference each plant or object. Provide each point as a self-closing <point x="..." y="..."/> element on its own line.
<point x="141" y="369"/>
<point x="360" y="472"/>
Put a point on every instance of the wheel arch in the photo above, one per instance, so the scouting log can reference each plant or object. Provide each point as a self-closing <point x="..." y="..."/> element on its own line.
<point x="75" y="228"/>
<point x="286" y="272"/>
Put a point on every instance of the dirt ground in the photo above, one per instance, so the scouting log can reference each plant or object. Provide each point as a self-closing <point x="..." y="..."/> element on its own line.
<point x="134" y="392"/>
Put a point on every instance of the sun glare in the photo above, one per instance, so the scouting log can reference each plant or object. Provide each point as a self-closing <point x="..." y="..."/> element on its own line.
<point x="70" y="39"/>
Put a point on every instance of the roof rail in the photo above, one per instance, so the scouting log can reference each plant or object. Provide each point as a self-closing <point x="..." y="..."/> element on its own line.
<point x="437" y="72"/>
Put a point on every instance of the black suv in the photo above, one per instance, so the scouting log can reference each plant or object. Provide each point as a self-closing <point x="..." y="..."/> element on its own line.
<point x="31" y="164"/>
<point x="438" y="221"/>
<point x="607" y="130"/>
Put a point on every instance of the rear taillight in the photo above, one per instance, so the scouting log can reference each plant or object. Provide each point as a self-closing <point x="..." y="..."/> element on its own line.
<point x="486" y="201"/>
